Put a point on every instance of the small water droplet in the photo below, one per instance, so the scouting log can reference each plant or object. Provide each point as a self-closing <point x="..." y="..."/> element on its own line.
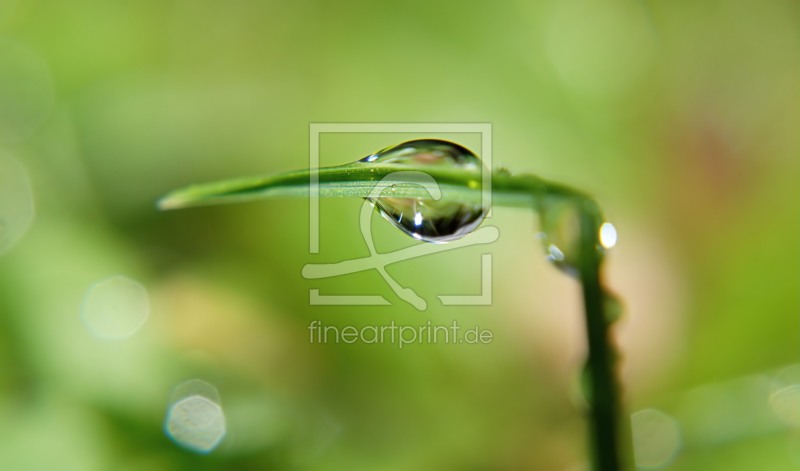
<point x="560" y="223"/>
<point x="613" y="307"/>
<point x="394" y="188"/>
<point x="430" y="220"/>
<point x="560" y="232"/>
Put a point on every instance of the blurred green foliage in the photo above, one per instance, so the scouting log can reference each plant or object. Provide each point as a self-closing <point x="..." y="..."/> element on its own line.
<point x="680" y="117"/>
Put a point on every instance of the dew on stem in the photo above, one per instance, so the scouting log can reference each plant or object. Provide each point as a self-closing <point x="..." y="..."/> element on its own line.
<point x="429" y="219"/>
<point x="560" y="229"/>
<point x="613" y="306"/>
<point x="430" y="190"/>
<point x="559" y="224"/>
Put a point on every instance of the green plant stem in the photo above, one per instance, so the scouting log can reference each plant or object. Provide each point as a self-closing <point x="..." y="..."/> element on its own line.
<point x="604" y="391"/>
<point x="359" y="180"/>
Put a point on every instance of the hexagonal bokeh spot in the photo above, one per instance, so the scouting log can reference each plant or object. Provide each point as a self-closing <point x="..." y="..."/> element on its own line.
<point x="196" y="423"/>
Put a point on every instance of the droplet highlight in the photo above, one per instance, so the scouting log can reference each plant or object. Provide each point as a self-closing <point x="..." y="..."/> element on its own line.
<point x="195" y="419"/>
<point x="427" y="219"/>
<point x="115" y="308"/>
<point x="560" y="231"/>
<point x="608" y="235"/>
<point x="560" y="219"/>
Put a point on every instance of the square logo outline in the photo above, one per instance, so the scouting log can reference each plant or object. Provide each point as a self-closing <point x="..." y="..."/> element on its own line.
<point x="315" y="132"/>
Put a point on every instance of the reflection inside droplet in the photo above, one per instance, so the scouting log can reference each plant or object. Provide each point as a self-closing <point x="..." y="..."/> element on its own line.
<point x="560" y="232"/>
<point x="561" y="220"/>
<point x="115" y="308"/>
<point x="608" y="235"/>
<point x="656" y="438"/>
<point x="430" y="220"/>
<point x="554" y="254"/>
<point x="195" y="419"/>
<point x="16" y="202"/>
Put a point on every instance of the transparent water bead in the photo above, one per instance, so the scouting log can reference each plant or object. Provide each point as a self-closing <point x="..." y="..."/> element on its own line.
<point x="195" y="419"/>
<point x="560" y="224"/>
<point x="612" y="306"/>
<point x="425" y="219"/>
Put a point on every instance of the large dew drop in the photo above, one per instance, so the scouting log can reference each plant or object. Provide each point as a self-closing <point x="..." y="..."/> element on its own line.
<point x="430" y="220"/>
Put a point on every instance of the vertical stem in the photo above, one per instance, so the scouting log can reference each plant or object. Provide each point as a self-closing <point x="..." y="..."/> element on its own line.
<point x="604" y="400"/>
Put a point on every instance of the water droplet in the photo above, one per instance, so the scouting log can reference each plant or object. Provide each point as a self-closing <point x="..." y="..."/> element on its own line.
<point x="195" y="419"/>
<point x="430" y="220"/>
<point x="16" y="202"/>
<point x="560" y="221"/>
<point x="115" y="308"/>
<point x="613" y="307"/>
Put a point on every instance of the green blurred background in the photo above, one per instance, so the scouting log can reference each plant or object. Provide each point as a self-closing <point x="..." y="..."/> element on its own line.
<point x="681" y="117"/>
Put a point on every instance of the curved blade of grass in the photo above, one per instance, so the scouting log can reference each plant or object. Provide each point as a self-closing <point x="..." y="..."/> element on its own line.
<point x="358" y="180"/>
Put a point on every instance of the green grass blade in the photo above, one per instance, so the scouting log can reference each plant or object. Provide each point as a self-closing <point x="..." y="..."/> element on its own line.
<point x="359" y="180"/>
